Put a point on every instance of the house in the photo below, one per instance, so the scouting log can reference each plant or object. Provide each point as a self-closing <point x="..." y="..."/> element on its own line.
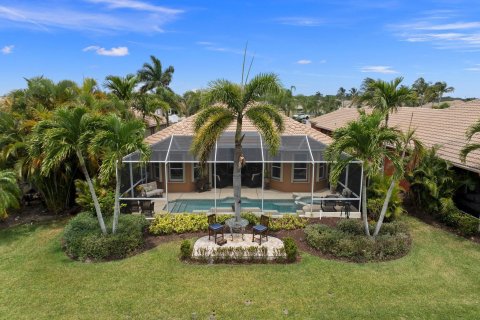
<point x="444" y="128"/>
<point x="294" y="179"/>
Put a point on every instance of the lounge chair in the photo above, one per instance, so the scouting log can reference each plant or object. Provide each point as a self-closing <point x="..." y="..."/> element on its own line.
<point x="147" y="207"/>
<point x="261" y="229"/>
<point x="328" y="205"/>
<point x="151" y="189"/>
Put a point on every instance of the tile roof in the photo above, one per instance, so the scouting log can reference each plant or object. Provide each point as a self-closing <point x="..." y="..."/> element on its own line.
<point x="443" y="127"/>
<point x="185" y="127"/>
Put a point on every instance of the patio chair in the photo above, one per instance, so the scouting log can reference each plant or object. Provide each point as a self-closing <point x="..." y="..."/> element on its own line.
<point x="147" y="207"/>
<point x="255" y="181"/>
<point x="261" y="229"/>
<point x="214" y="227"/>
<point x="221" y="183"/>
<point x="328" y="205"/>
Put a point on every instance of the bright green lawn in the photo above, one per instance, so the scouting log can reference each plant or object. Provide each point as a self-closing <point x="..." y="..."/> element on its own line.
<point x="440" y="278"/>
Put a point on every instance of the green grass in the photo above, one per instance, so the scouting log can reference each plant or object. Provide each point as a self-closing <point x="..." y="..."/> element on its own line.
<point x="439" y="279"/>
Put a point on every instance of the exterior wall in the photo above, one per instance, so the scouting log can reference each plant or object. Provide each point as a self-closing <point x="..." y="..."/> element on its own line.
<point x="288" y="185"/>
<point x="188" y="185"/>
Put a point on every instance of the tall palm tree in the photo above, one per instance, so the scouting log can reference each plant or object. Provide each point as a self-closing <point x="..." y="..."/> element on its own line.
<point x="386" y="96"/>
<point x="353" y="92"/>
<point x="364" y="140"/>
<point x="66" y="134"/>
<point x="116" y="139"/>
<point x="341" y="94"/>
<point x="153" y="76"/>
<point x="470" y="147"/>
<point x="122" y="87"/>
<point x="440" y="88"/>
<point x="237" y="102"/>
<point x="9" y="192"/>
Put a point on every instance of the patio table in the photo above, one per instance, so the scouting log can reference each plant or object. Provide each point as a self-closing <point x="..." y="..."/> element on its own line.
<point x="239" y="225"/>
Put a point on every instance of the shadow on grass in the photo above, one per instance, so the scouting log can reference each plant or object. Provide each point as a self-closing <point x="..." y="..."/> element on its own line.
<point x="10" y="235"/>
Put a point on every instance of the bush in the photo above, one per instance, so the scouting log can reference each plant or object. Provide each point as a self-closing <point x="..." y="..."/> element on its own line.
<point x="376" y="193"/>
<point x="83" y="239"/>
<point x="291" y="249"/>
<point x="186" y="249"/>
<point x="347" y="241"/>
<point x="288" y="222"/>
<point x="449" y="214"/>
<point x="252" y="218"/>
<point x="443" y="105"/>
<point x="106" y="197"/>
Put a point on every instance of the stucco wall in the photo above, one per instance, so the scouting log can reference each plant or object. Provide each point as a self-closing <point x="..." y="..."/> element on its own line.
<point x="288" y="185"/>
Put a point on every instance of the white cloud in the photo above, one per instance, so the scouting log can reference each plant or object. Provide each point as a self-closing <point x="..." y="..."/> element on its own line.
<point x="136" y="5"/>
<point x="304" y="61"/>
<point x="113" y="52"/>
<point x="474" y="68"/>
<point x="378" y="69"/>
<point x="300" y="21"/>
<point x="132" y="16"/>
<point x="442" y="29"/>
<point x="8" y="49"/>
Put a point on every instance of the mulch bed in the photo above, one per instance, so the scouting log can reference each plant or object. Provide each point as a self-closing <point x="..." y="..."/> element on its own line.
<point x="429" y="219"/>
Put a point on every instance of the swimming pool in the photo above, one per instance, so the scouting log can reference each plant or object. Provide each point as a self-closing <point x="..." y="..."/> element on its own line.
<point x="189" y="205"/>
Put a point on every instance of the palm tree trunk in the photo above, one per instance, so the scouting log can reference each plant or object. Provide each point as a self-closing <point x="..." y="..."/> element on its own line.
<point x="237" y="170"/>
<point x="92" y="192"/>
<point x="364" y="204"/>
<point x="384" y="207"/>
<point x="116" y="209"/>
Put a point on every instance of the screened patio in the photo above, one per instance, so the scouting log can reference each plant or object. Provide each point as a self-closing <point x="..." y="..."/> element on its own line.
<point x="297" y="173"/>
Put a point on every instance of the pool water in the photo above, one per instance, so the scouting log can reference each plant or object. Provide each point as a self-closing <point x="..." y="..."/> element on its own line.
<point x="189" y="205"/>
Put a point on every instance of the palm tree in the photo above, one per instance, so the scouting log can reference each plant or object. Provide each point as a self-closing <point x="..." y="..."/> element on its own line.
<point x="341" y="94"/>
<point x="153" y="76"/>
<point x="66" y="134"/>
<point x="122" y="87"/>
<point x="440" y="88"/>
<point x="364" y="140"/>
<point x="386" y="96"/>
<point x="353" y="96"/>
<point x="238" y="101"/>
<point x="9" y="192"/>
<point x="470" y="147"/>
<point x="116" y="139"/>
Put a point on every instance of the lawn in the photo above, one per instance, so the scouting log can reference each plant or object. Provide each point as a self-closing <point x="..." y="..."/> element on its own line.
<point x="438" y="279"/>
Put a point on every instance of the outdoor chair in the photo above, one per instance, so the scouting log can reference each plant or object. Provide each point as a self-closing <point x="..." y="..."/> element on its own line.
<point x="221" y="183"/>
<point x="261" y="229"/>
<point x="147" y="207"/>
<point x="215" y="228"/>
<point x="255" y="181"/>
<point x="328" y="205"/>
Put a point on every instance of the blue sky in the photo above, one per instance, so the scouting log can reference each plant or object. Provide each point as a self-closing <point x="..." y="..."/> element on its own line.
<point x="312" y="45"/>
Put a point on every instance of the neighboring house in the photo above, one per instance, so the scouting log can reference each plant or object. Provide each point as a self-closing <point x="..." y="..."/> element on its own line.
<point x="445" y="128"/>
<point x="298" y="170"/>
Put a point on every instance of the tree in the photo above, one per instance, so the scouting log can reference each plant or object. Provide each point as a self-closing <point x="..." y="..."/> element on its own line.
<point x="341" y="94"/>
<point x="386" y="96"/>
<point x="236" y="102"/>
<point x="116" y="139"/>
<point x="364" y="140"/>
<point x="193" y="100"/>
<point x="470" y="147"/>
<point x="440" y="88"/>
<point x="153" y="76"/>
<point x="284" y="100"/>
<point x="353" y="92"/>
<point x="66" y="134"/>
<point x="122" y="87"/>
<point x="422" y="90"/>
<point x="9" y="192"/>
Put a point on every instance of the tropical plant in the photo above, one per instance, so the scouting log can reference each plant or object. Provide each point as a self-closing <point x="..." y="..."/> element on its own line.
<point x="106" y="197"/>
<point x="122" y="87"/>
<point x="113" y="141"/>
<point x="10" y="192"/>
<point x="341" y="94"/>
<point x="67" y="134"/>
<point x="386" y="96"/>
<point x="376" y="193"/>
<point x="440" y="88"/>
<point x="230" y="103"/>
<point x="153" y="76"/>
<point x="365" y="140"/>
<point x="470" y="147"/>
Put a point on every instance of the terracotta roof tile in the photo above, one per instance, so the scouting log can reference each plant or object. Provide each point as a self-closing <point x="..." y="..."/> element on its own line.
<point x="443" y="127"/>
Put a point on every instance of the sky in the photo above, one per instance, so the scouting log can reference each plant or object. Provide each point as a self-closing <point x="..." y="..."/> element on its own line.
<point x="315" y="46"/>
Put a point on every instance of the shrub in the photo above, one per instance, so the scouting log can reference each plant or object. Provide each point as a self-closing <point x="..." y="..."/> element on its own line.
<point x="347" y="241"/>
<point x="291" y="250"/>
<point x="252" y="218"/>
<point x="443" y="105"/>
<point x="351" y="226"/>
<point x="106" y="197"/>
<point x="288" y="222"/>
<point x="376" y="193"/>
<point x="178" y="223"/>
<point x="83" y="239"/>
<point x="449" y="214"/>
<point x="186" y="249"/>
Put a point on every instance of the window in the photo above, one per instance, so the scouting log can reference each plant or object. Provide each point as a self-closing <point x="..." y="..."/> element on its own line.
<point x="277" y="171"/>
<point x="300" y="172"/>
<point x="322" y="171"/>
<point x="176" y="172"/>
